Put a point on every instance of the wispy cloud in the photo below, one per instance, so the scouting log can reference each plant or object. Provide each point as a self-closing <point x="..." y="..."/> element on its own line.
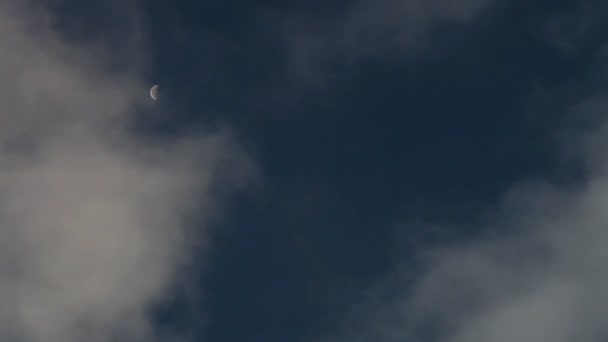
<point x="575" y="29"/>
<point x="536" y="273"/>
<point x="387" y="29"/>
<point x="94" y="219"/>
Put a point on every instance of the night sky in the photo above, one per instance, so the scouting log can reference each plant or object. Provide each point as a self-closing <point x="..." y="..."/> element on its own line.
<point x="416" y="170"/>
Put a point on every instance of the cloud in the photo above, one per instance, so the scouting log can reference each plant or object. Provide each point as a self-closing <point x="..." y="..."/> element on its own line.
<point x="573" y="30"/>
<point x="96" y="221"/>
<point x="386" y="29"/>
<point x="535" y="272"/>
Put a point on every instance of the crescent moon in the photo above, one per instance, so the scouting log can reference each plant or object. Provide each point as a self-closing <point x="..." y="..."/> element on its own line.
<point x="154" y="92"/>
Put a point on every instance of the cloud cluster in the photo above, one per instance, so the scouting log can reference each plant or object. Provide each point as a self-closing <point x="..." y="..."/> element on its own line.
<point x="95" y="220"/>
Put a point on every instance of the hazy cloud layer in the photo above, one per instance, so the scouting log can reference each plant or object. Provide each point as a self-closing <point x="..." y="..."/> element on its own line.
<point x="93" y="219"/>
<point x="575" y="29"/>
<point x="387" y="29"/>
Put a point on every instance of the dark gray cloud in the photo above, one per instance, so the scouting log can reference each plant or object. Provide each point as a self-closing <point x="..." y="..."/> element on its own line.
<point x="93" y="218"/>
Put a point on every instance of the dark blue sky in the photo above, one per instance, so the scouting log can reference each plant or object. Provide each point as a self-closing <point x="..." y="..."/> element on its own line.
<point x="436" y="137"/>
<point x="371" y="145"/>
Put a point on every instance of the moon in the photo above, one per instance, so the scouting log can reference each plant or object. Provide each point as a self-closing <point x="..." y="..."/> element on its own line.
<point x="154" y="92"/>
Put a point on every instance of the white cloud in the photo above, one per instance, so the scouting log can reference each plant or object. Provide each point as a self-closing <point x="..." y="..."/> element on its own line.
<point x="93" y="218"/>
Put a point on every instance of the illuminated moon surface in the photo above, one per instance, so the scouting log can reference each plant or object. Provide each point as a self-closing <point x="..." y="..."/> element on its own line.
<point x="154" y="92"/>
